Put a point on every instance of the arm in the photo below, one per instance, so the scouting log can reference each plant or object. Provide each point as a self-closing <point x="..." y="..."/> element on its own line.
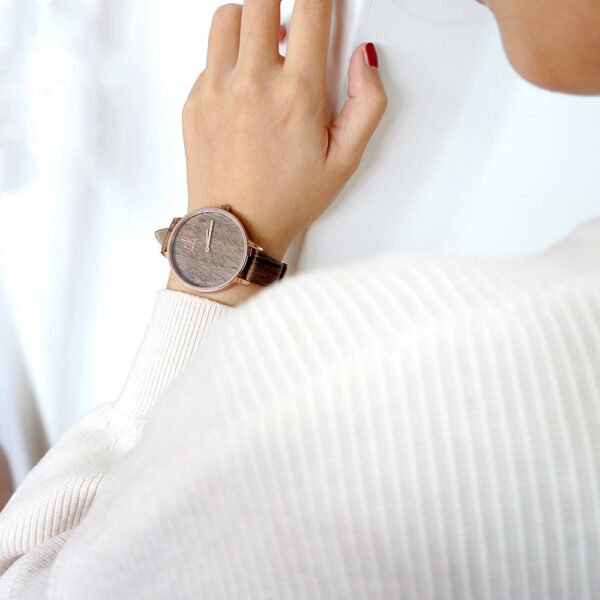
<point x="59" y="490"/>
<point x="257" y="129"/>
<point x="258" y="134"/>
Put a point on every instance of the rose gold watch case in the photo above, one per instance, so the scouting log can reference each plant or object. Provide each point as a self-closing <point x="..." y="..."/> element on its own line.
<point x="161" y="235"/>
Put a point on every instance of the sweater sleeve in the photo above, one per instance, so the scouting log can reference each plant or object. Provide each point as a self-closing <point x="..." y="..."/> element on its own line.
<point x="407" y="427"/>
<point x="60" y="489"/>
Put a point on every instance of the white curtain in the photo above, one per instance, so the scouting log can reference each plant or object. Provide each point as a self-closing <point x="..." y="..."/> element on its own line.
<point x="91" y="163"/>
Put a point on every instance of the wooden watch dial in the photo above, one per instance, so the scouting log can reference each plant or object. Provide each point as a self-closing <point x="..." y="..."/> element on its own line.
<point x="208" y="248"/>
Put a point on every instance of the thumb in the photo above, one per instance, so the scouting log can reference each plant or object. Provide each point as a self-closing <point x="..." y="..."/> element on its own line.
<point x="352" y="129"/>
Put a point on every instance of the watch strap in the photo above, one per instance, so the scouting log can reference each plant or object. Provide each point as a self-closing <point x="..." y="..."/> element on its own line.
<point x="168" y="235"/>
<point x="263" y="269"/>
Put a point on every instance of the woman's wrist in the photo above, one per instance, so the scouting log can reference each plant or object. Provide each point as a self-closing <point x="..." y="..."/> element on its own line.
<point x="234" y="295"/>
<point x="231" y="296"/>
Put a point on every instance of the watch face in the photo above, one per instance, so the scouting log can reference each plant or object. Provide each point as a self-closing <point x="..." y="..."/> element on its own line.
<point x="208" y="248"/>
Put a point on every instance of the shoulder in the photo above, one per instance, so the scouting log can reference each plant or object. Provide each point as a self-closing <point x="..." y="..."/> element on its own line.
<point x="401" y="386"/>
<point x="333" y="312"/>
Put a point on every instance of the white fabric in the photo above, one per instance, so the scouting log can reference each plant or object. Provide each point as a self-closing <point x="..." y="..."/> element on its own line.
<point x="407" y="427"/>
<point x="469" y="159"/>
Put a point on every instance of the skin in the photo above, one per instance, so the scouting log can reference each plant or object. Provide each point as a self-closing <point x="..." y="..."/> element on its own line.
<point x="256" y="129"/>
<point x="554" y="44"/>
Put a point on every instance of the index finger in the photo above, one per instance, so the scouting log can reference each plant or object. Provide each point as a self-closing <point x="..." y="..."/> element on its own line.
<point x="308" y="38"/>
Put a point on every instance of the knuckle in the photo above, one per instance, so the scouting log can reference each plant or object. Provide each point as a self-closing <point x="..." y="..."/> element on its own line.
<point x="203" y="94"/>
<point x="300" y="86"/>
<point x="380" y="100"/>
<point x="198" y="85"/>
<point x="246" y="87"/>
<point x="226" y="11"/>
<point x="313" y="5"/>
<point x="241" y="87"/>
<point x="189" y="110"/>
<point x="384" y="100"/>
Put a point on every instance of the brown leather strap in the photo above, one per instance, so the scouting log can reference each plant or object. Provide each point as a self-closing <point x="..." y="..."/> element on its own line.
<point x="166" y="242"/>
<point x="263" y="269"/>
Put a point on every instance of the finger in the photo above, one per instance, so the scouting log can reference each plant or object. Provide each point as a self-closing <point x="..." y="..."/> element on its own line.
<point x="352" y="129"/>
<point x="259" y="42"/>
<point x="308" y="37"/>
<point x="224" y="38"/>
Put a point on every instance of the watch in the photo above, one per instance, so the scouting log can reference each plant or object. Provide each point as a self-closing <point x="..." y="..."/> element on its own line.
<point x="209" y="249"/>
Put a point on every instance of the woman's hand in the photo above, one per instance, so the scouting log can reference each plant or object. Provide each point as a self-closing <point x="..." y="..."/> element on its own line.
<point x="256" y="129"/>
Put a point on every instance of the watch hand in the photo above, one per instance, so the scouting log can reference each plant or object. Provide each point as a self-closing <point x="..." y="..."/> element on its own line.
<point x="209" y="236"/>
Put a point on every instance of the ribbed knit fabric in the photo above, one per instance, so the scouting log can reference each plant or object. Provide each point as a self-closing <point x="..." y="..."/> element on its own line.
<point x="404" y="428"/>
<point x="56" y="495"/>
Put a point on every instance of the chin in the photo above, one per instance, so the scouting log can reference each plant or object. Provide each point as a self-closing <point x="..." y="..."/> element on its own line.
<point x="557" y="82"/>
<point x="560" y="60"/>
<point x="555" y="73"/>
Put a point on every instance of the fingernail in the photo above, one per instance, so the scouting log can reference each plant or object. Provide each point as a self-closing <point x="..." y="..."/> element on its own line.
<point x="371" y="55"/>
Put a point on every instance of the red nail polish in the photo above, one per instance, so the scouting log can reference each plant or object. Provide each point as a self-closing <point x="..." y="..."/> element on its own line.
<point x="371" y="53"/>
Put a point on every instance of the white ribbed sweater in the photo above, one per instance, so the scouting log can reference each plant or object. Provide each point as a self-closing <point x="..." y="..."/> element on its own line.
<point x="404" y="428"/>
